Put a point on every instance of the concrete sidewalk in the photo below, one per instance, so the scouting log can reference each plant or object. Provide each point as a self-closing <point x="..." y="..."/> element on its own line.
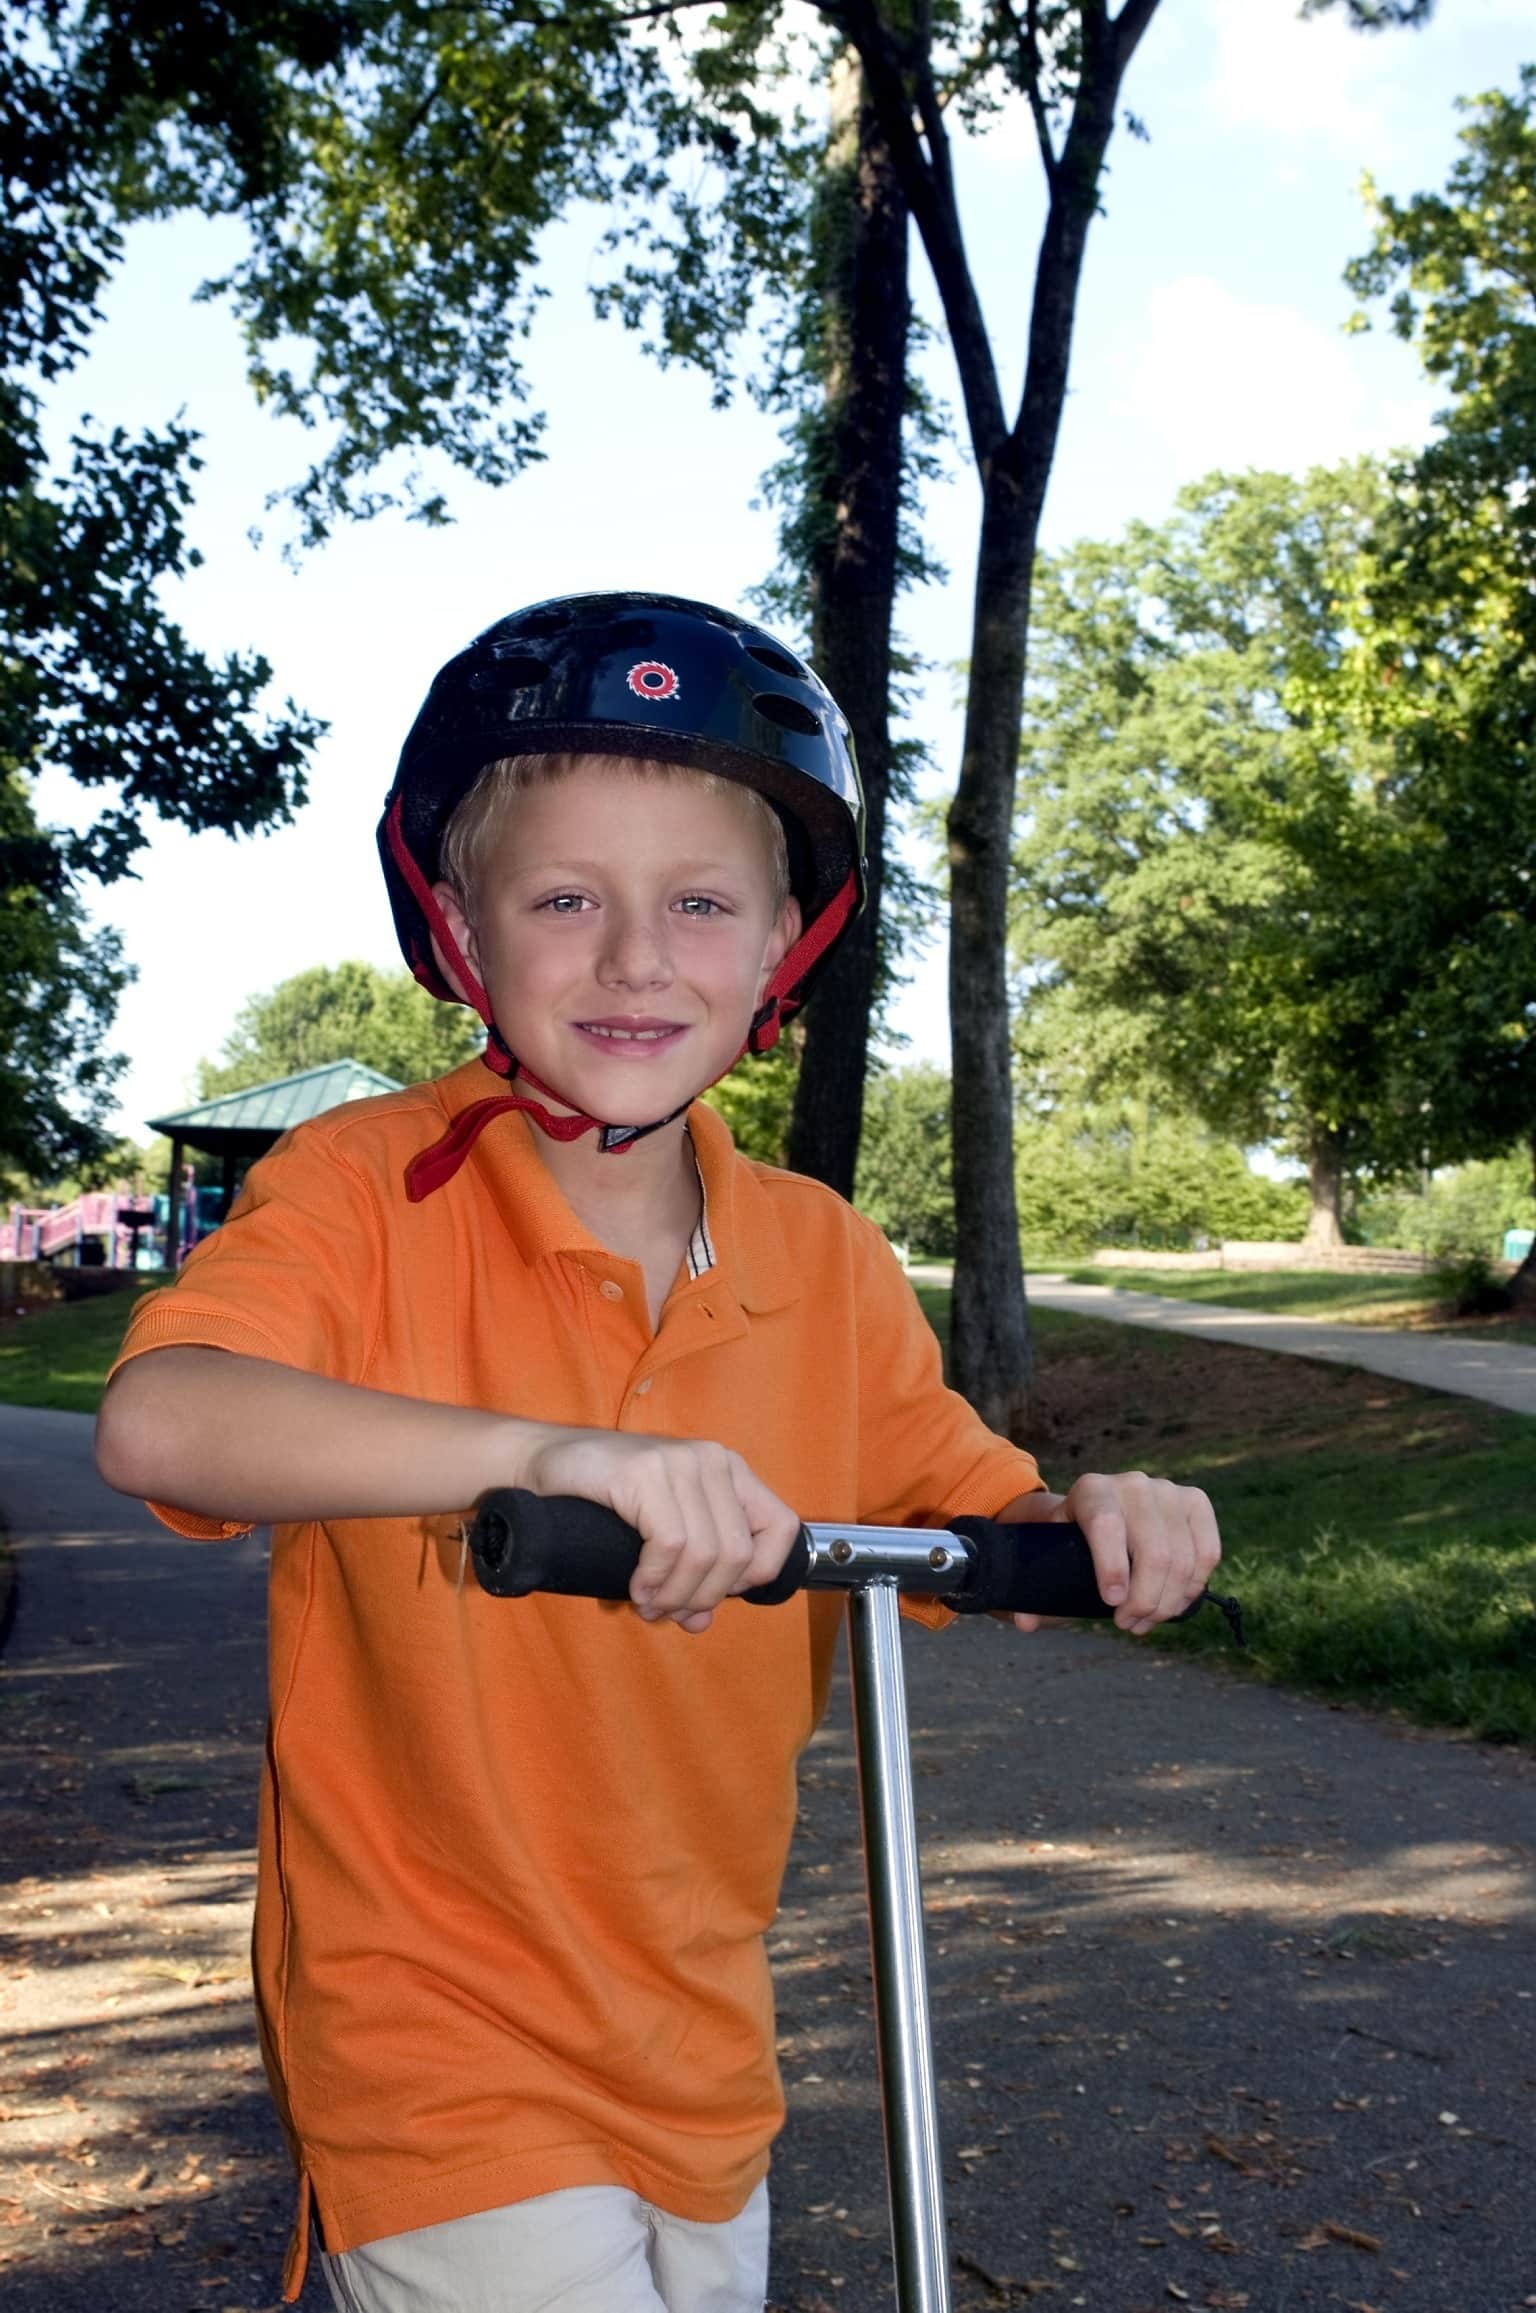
<point x="1499" y="1372"/>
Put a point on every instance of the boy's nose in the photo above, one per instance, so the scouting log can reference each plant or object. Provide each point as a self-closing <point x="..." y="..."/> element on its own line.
<point x="636" y="955"/>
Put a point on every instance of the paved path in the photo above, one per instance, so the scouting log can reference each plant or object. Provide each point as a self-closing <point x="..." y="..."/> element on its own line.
<point x="1500" y="1372"/>
<point x="1234" y="1993"/>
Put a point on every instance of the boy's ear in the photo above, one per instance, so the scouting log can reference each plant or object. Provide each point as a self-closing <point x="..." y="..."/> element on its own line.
<point x="464" y="937"/>
<point x="780" y="940"/>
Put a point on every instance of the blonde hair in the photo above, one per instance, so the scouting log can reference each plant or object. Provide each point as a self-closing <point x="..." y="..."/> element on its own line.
<point x="473" y="822"/>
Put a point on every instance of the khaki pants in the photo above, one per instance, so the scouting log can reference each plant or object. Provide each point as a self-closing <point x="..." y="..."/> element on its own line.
<point x="594" y="2249"/>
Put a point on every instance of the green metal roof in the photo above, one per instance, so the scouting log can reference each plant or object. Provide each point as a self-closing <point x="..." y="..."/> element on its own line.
<point x="272" y="1108"/>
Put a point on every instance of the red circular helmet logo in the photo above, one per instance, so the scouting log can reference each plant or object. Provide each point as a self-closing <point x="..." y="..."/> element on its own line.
<point x="651" y="679"/>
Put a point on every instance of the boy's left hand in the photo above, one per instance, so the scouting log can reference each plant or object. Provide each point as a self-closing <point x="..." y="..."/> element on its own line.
<point x="1155" y="1545"/>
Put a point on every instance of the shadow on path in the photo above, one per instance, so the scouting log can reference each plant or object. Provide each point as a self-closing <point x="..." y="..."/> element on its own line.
<point x="1233" y="1991"/>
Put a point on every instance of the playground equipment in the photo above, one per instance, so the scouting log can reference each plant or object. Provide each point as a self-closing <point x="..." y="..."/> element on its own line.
<point x="523" y="1542"/>
<point x="100" y="1231"/>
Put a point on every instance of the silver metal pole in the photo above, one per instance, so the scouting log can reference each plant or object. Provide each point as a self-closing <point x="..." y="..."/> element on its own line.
<point x="902" y="2027"/>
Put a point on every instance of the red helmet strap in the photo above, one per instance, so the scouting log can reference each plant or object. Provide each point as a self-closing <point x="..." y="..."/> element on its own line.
<point x="781" y="996"/>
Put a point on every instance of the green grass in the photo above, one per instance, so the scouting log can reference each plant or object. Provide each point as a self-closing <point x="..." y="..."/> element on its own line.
<point x="1407" y="1580"/>
<point x="1409" y="1302"/>
<point x="59" y="1357"/>
<point x="1382" y="1539"/>
<point x="1342" y="1299"/>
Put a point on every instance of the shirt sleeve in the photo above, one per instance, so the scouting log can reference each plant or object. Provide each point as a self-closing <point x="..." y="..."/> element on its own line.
<point x="293" y="1275"/>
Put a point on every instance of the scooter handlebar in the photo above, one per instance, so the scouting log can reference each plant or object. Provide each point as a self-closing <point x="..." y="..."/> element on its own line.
<point x="524" y="1542"/>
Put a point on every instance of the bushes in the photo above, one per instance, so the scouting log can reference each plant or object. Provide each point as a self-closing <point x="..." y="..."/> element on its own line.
<point x="1458" y="1216"/>
<point x="904" y="1179"/>
<point x="1126" y="1174"/>
<point x="1118" y="1174"/>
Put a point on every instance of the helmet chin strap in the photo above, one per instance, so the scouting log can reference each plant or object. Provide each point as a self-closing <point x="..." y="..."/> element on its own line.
<point x="435" y="1166"/>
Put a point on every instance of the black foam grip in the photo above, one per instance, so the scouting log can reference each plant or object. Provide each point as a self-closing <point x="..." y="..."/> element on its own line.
<point x="1035" y="1569"/>
<point x="522" y="1542"/>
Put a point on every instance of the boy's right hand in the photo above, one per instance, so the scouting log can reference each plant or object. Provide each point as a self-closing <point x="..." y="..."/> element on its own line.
<point x="708" y="1525"/>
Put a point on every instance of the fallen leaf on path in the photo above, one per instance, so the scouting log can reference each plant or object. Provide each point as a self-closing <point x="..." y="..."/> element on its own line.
<point x="1223" y="2151"/>
<point x="1352" y="2238"/>
<point x="1001" y="2284"/>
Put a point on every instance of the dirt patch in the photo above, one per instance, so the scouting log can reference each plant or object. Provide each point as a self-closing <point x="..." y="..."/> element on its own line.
<point x="1112" y="1396"/>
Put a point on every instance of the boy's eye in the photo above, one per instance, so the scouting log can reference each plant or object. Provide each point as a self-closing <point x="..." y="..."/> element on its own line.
<point x="565" y="903"/>
<point x="698" y="903"/>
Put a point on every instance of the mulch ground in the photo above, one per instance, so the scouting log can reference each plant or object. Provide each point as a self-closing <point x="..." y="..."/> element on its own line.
<point x="1109" y="1396"/>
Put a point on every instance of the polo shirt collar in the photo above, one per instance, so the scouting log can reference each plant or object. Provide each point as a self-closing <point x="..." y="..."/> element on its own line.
<point x="744" y="1228"/>
<point x="750" y="1254"/>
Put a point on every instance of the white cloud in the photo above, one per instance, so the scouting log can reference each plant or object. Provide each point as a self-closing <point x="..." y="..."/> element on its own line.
<point x="1293" y="79"/>
<point x="1216" y="379"/>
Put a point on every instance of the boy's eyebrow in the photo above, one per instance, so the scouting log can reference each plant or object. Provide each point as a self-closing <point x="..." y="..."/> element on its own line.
<point x="569" y="864"/>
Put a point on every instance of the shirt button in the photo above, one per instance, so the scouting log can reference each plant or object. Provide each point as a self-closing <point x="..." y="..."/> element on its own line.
<point x="611" y="1289"/>
<point x="642" y="1386"/>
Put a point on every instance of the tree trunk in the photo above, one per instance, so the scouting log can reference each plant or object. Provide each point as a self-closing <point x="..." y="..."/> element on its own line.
<point x="989" y="1324"/>
<point x="1325" y="1182"/>
<point x="863" y="283"/>
<point x="989" y="1328"/>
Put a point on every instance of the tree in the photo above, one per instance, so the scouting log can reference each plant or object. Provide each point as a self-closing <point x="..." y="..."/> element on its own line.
<point x="59" y="985"/>
<point x="1209" y="871"/>
<point x="349" y="1011"/>
<point x="757" y="1098"/>
<point x="906" y="1178"/>
<point x="1375" y="15"/>
<point x="95" y="679"/>
<point x="842" y="560"/>
<point x="1067" y="59"/>
<point x="1067" y="62"/>
<point x="1125" y="1170"/>
<point x="1446" y="666"/>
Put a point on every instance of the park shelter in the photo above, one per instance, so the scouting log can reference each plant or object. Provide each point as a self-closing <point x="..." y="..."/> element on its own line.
<point x="239" y="1127"/>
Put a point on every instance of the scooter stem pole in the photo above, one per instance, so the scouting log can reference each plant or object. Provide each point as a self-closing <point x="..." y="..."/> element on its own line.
<point x="903" y="2032"/>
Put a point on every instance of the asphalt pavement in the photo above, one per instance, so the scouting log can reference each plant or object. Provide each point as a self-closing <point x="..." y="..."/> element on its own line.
<point x="1235" y="1994"/>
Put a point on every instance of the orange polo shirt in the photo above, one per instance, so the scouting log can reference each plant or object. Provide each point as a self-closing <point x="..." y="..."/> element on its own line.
<point x="516" y="1858"/>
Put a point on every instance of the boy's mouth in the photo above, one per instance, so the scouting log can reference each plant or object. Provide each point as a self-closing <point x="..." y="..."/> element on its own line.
<point x="631" y="1036"/>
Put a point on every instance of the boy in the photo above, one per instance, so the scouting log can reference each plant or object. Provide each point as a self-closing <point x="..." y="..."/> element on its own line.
<point x="516" y="1862"/>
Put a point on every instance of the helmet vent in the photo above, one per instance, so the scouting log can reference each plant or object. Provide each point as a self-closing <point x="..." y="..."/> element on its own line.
<point x="789" y="714"/>
<point x="777" y="663"/>
<point x="517" y="670"/>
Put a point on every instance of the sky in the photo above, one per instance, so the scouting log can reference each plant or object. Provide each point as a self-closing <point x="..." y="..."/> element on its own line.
<point x="1211" y="332"/>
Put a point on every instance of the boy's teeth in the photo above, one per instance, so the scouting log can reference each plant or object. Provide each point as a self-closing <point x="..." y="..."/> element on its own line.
<point x="629" y="1035"/>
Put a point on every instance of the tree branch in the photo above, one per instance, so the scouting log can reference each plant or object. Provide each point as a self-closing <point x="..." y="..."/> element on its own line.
<point x="556" y="19"/>
<point x="1027" y="35"/>
<point x="930" y="195"/>
<point x="1074" y="197"/>
<point x="1128" y="28"/>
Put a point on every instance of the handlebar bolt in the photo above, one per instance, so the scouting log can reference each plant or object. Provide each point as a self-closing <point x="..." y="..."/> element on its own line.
<point x="938" y="1558"/>
<point x="841" y="1553"/>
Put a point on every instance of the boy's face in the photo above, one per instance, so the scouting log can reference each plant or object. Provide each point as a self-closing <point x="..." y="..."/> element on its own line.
<point x="624" y="930"/>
